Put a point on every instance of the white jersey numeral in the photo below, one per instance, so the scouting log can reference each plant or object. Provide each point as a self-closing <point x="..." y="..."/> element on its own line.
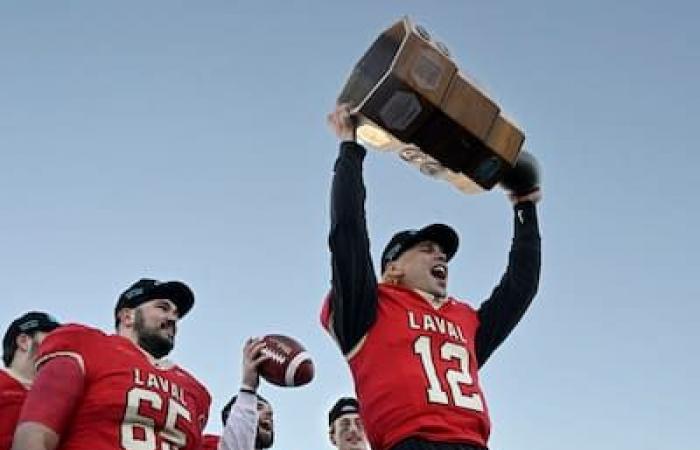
<point x="455" y="378"/>
<point x="138" y="431"/>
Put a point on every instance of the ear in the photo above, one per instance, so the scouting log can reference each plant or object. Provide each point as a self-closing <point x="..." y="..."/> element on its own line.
<point x="331" y="435"/>
<point x="127" y="317"/>
<point x="394" y="271"/>
<point x="24" y="342"/>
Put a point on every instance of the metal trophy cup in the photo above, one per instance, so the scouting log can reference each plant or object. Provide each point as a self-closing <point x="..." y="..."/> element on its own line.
<point x="410" y="98"/>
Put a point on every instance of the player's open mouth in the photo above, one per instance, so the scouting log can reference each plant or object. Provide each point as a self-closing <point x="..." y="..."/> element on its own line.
<point x="439" y="271"/>
<point x="266" y="425"/>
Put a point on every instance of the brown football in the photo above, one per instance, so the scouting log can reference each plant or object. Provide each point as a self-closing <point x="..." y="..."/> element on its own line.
<point x="289" y="364"/>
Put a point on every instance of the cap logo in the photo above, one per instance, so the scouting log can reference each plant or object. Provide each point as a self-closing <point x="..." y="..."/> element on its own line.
<point x="394" y="251"/>
<point x="348" y="408"/>
<point x="133" y="293"/>
<point x="28" y="325"/>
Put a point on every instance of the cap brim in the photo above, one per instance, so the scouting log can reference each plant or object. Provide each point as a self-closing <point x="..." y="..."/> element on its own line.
<point x="441" y="234"/>
<point x="177" y="292"/>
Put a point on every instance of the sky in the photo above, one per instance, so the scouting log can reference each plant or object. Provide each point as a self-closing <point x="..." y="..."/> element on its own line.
<point x="187" y="140"/>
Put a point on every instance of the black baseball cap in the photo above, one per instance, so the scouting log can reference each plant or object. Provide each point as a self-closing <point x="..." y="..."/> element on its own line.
<point x="28" y="323"/>
<point x="344" y="405"/>
<point x="148" y="289"/>
<point x="441" y="234"/>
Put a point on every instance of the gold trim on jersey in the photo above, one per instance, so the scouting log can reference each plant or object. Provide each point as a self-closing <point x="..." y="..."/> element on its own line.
<point x="73" y="355"/>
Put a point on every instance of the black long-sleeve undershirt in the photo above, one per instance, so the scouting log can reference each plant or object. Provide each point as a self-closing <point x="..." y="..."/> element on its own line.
<point x="354" y="293"/>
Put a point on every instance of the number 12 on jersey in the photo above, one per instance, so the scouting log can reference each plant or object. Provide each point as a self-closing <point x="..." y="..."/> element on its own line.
<point x="455" y="377"/>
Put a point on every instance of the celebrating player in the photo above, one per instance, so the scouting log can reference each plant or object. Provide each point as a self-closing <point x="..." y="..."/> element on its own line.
<point x="103" y="392"/>
<point x="414" y="352"/>
<point x="19" y="348"/>
<point x="264" y="431"/>
<point x="345" y="428"/>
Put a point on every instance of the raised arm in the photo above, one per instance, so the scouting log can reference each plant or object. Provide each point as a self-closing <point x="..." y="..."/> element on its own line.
<point x="499" y="314"/>
<point x="353" y="298"/>
<point x="242" y="422"/>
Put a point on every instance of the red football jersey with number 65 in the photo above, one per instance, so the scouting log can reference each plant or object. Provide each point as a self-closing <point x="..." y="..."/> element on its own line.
<point x="416" y="374"/>
<point x="128" y="402"/>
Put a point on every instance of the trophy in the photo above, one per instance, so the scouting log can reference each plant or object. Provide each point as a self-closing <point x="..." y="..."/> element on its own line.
<point x="410" y="98"/>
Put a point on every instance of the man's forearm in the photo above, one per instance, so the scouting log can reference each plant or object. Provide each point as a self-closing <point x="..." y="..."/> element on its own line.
<point x="501" y="312"/>
<point x="354" y="284"/>
<point x="241" y="426"/>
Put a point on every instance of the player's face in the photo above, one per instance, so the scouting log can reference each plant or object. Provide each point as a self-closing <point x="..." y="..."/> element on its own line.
<point x="36" y="339"/>
<point x="30" y="344"/>
<point x="155" y="326"/>
<point x="266" y="433"/>
<point x="348" y="433"/>
<point x="424" y="267"/>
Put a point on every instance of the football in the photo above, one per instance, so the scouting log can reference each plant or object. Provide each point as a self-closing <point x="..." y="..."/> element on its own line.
<point x="289" y="365"/>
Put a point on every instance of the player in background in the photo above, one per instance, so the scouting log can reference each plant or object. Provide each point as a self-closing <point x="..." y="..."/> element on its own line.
<point x="345" y="428"/>
<point x="264" y="431"/>
<point x="414" y="352"/>
<point x="95" y="391"/>
<point x="19" y="349"/>
<point x="247" y="417"/>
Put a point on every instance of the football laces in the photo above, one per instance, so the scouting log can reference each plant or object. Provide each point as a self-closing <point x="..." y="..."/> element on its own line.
<point x="277" y="357"/>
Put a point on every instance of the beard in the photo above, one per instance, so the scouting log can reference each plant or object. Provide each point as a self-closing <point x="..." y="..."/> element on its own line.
<point x="150" y="339"/>
<point x="263" y="441"/>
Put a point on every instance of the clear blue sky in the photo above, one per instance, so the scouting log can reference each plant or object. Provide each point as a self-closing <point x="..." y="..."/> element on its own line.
<point x="187" y="140"/>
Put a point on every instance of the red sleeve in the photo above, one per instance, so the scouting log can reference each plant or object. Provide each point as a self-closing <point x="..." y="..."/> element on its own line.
<point x="76" y="341"/>
<point x="12" y="395"/>
<point x="326" y="313"/>
<point x="9" y="411"/>
<point x="210" y="442"/>
<point x="55" y="394"/>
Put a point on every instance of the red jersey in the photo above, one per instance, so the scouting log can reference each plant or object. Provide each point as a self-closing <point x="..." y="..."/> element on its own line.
<point x="128" y="401"/>
<point x="415" y="372"/>
<point x="12" y="395"/>
<point x="210" y="442"/>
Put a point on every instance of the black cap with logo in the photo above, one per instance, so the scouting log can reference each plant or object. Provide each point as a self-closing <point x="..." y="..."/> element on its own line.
<point x="344" y="405"/>
<point x="29" y="324"/>
<point x="441" y="234"/>
<point x="147" y="289"/>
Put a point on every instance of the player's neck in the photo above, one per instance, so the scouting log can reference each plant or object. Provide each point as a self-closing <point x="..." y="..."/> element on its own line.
<point x="22" y="371"/>
<point x="161" y="363"/>
<point x="434" y="300"/>
<point x="129" y="334"/>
